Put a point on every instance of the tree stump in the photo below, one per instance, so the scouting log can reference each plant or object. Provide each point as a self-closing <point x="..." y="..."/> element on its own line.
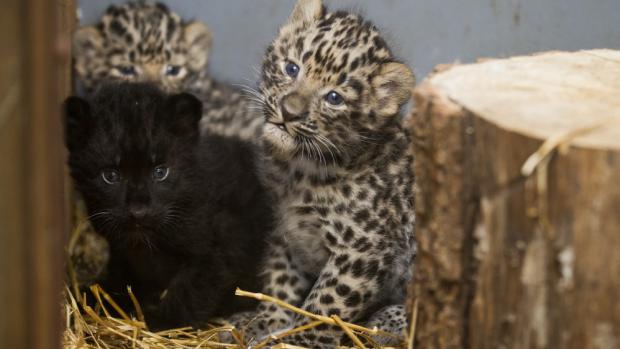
<point x="514" y="256"/>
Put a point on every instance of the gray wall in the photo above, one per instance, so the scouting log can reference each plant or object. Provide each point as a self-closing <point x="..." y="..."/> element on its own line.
<point x="422" y="32"/>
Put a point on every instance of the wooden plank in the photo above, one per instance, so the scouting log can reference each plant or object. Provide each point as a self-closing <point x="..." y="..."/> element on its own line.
<point x="34" y="78"/>
<point x="13" y="301"/>
<point x="47" y="223"/>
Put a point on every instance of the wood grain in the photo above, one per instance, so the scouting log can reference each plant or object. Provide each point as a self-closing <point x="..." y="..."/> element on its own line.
<point x="34" y="79"/>
<point x="508" y="260"/>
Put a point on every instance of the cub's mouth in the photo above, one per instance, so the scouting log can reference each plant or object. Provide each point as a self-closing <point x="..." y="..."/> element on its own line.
<point x="279" y="125"/>
<point x="279" y="135"/>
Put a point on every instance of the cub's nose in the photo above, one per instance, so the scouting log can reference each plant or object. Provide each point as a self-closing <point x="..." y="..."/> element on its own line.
<point x="294" y="107"/>
<point x="151" y="72"/>
<point x="138" y="211"/>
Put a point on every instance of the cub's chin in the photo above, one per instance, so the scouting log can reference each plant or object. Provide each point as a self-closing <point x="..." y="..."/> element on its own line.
<point x="127" y="235"/>
<point x="279" y="141"/>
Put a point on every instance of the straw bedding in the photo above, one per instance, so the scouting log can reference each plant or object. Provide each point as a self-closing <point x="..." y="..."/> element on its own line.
<point x="99" y="327"/>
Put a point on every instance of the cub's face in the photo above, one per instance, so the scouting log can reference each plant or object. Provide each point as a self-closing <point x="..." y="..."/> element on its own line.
<point x="128" y="150"/>
<point x="329" y="84"/>
<point x="141" y="42"/>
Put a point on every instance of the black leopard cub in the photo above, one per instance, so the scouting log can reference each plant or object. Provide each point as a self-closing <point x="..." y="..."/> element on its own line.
<point x="184" y="215"/>
<point x="339" y="162"/>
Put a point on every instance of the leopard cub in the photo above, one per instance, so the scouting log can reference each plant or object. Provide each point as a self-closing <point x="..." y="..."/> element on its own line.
<point x="337" y="159"/>
<point x="141" y="41"/>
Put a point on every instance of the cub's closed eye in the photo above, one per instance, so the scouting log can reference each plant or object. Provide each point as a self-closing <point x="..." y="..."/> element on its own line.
<point x="111" y="176"/>
<point x="160" y="173"/>
<point x="291" y="69"/>
<point x="333" y="98"/>
<point x="127" y="70"/>
<point x="172" y="70"/>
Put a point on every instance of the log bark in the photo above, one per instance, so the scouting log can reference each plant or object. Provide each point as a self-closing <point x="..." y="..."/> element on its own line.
<point x="510" y="258"/>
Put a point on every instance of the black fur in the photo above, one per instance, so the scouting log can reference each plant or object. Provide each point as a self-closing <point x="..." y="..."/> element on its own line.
<point x="202" y="231"/>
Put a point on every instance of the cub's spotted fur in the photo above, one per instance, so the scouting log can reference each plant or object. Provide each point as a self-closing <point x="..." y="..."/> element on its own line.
<point x="141" y="41"/>
<point x="338" y="160"/>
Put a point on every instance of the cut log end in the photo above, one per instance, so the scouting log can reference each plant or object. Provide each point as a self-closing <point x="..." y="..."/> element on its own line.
<point x="544" y="95"/>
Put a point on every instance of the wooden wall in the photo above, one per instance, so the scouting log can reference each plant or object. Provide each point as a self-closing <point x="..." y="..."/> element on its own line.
<point x="34" y="79"/>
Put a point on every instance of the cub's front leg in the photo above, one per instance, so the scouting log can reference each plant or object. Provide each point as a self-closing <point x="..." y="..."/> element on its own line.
<point x="193" y="297"/>
<point x="179" y="304"/>
<point x="346" y="287"/>
<point x="284" y="280"/>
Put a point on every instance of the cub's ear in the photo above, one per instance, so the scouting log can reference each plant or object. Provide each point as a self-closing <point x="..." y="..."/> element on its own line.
<point x="77" y="122"/>
<point x="87" y="41"/>
<point x="198" y="40"/>
<point x="306" y="11"/>
<point x="183" y="113"/>
<point x="392" y="88"/>
<point x="87" y="47"/>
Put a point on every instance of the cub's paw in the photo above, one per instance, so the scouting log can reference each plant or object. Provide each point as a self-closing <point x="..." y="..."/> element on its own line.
<point x="256" y="326"/>
<point x="391" y="319"/>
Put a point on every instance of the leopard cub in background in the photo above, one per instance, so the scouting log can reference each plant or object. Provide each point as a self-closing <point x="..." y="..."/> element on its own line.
<point x="185" y="215"/>
<point x="142" y="41"/>
<point x="339" y="162"/>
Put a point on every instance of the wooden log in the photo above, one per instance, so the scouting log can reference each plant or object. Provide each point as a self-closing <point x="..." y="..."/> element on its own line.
<point x="514" y="256"/>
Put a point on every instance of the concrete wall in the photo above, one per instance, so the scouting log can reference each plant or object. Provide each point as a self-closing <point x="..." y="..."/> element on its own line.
<point x="422" y="32"/>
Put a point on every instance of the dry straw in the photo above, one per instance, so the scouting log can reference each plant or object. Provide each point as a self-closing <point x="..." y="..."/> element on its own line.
<point x="90" y="328"/>
<point x="96" y="327"/>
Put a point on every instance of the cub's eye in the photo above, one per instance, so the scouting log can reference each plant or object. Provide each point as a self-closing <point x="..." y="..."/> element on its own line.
<point x="291" y="69"/>
<point x="127" y="70"/>
<point x="173" y="70"/>
<point x="334" y="98"/>
<point x="160" y="173"/>
<point x="111" y="176"/>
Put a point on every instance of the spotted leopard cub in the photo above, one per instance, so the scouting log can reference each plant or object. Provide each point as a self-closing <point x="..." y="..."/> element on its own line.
<point x="338" y="160"/>
<point x="142" y="41"/>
